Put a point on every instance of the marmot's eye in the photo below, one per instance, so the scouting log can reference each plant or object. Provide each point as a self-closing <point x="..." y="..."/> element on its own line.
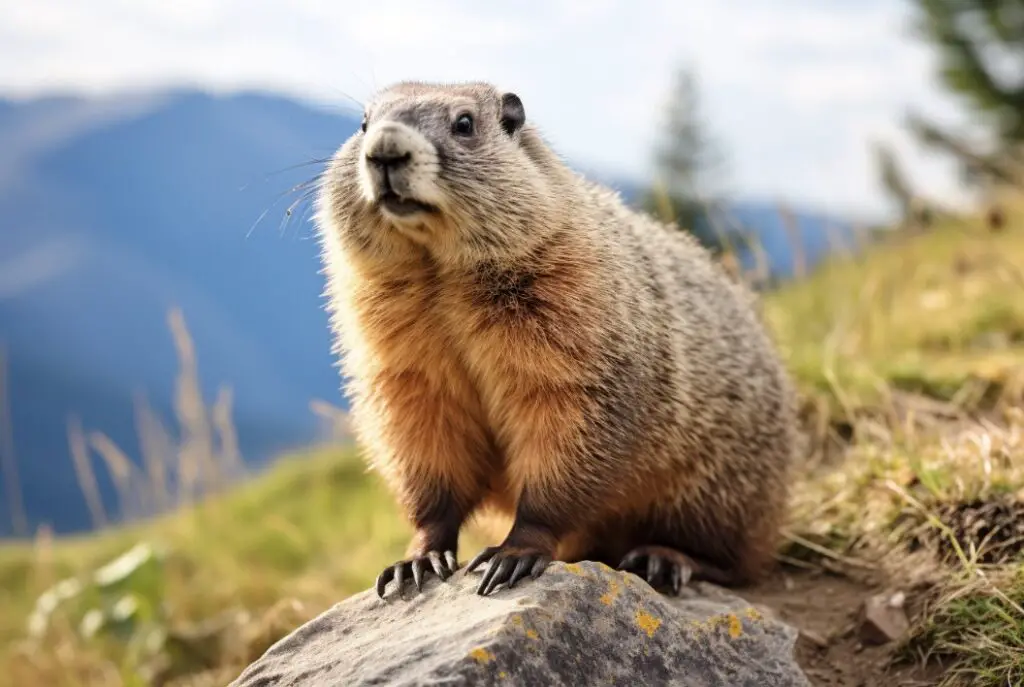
<point x="463" y="125"/>
<point x="363" y="125"/>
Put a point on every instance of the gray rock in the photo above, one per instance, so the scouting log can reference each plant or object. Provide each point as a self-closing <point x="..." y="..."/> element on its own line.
<point x="577" y="624"/>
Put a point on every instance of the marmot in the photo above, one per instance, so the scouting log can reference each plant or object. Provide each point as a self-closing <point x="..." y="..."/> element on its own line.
<point x="514" y="336"/>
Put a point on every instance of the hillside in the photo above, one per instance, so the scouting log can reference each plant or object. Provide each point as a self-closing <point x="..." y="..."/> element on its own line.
<point x="911" y="361"/>
<point x="114" y="213"/>
<point x="116" y="210"/>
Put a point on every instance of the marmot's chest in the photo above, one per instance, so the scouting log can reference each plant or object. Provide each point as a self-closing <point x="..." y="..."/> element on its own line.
<point x="494" y="330"/>
<point x="505" y="331"/>
<point x="492" y="310"/>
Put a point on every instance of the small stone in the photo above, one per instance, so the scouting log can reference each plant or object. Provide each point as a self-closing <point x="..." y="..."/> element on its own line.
<point x="883" y="619"/>
<point x="814" y="638"/>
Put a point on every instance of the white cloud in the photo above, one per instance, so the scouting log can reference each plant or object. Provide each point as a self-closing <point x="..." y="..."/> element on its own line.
<point x="418" y="27"/>
<point x="795" y="89"/>
<point x="39" y="265"/>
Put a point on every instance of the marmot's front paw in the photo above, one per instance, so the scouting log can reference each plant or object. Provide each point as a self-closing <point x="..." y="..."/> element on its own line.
<point x="508" y="564"/>
<point x="441" y="564"/>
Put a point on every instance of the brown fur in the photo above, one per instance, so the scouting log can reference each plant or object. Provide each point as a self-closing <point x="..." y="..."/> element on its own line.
<point x="537" y="347"/>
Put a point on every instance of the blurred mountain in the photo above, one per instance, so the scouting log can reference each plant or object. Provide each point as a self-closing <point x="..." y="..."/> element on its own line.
<point x="816" y="234"/>
<point x="114" y="211"/>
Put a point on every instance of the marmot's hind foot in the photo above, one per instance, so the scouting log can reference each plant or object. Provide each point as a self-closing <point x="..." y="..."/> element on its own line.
<point x="661" y="566"/>
<point x="667" y="568"/>
<point x="509" y="565"/>
<point x="441" y="564"/>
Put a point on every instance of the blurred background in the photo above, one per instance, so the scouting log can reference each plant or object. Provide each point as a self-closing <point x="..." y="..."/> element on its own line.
<point x="162" y="329"/>
<point x="150" y="150"/>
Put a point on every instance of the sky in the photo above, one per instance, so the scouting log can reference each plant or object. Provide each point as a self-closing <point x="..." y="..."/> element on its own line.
<point x="794" y="91"/>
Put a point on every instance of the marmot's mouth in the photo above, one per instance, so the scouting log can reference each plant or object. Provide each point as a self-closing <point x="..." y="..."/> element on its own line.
<point x="404" y="207"/>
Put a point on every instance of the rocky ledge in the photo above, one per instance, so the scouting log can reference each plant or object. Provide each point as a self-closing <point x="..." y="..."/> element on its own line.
<point x="577" y="624"/>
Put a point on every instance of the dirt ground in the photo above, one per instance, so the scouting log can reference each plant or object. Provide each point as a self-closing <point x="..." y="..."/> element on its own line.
<point x="825" y="607"/>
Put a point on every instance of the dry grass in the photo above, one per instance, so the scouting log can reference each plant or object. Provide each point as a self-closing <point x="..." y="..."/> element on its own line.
<point x="914" y="349"/>
<point x="940" y="512"/>
<point x="917" y="348"/>
<point x="8" y="460"/>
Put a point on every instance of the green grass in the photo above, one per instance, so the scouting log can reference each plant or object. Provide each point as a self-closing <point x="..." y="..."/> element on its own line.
<point x="980" y="622"/>
<point x="917" y="345"/>
<point x="314" y="527"/>
<point x="313" y="530"/>
<point x="929" y="315"/>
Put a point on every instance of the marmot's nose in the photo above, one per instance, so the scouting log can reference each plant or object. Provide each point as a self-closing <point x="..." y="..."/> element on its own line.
<point x="388" y="159"/>
<point x="385" y="148"/>
<point x="389" y="147"/>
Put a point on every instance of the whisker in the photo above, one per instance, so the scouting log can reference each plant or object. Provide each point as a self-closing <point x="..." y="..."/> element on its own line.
<point x="306" y="215"/>
<point x="314" y="161"/>
<point x="309" y="185"/>
<point x="304" y="185"/>
<point x="359" y="105"/>
<point x="288" y="214"/>
<point x="259" y="219"/>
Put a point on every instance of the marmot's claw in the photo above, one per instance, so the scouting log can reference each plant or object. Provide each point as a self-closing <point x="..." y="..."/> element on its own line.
<point x="660" y="566"/>
<point x="438" y="565"/>
<point x="482" y="557"/>
<point x="507" y="565"/>
<point x="431" y="562"/>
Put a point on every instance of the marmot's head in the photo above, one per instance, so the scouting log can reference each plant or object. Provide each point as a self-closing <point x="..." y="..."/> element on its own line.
<point x="452" y="169"/>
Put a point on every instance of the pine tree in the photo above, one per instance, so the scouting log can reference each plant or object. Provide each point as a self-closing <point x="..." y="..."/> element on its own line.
<point x="687" y="162"/>
<point x="1002" y="166"/>
<point x="892" y="178"/>
<point x="981" y="44"/>
<point x="981" y="47"/>
<point x="915" y="212"/>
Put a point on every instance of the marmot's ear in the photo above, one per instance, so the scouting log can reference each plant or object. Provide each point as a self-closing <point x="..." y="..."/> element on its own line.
<point x="513" y="116"/>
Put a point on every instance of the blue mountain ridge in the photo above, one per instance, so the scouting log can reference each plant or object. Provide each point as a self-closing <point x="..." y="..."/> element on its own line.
<point x="115" y="210"/>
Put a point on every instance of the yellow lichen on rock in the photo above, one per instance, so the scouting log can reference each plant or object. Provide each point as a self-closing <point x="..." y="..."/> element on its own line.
<point x="735" y="626"/>
<point x="532" y="634"/>
<point x="614" y="589"/>
<point x="481" y="655"/>
<point x="647" y="622"/>
<point x="731" y="621"/>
